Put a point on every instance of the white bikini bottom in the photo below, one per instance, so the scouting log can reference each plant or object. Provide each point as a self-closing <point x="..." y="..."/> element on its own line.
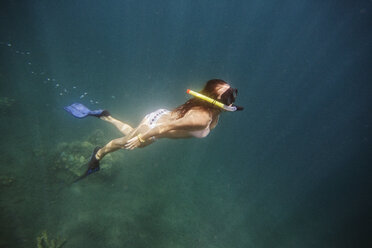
<point x="153" y="117"/>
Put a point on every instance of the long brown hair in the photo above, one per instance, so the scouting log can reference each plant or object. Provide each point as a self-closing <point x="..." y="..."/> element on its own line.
<point x="208" y="90"/>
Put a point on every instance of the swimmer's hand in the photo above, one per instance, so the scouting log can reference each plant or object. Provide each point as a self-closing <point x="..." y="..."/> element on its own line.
<point x="133" y="143"/>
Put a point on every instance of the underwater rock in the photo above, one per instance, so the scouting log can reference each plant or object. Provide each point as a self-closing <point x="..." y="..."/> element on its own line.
<point x="6" y="181"/>
<point x="70" y="159"/>
<point x="42" y="241"/>
<point x="5" y="103"/>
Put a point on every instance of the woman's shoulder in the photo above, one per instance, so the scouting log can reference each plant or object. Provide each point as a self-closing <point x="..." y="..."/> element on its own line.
<point x="193" y="111"/>
<point x="200" y="116"/>
<point x="200" y="112"/>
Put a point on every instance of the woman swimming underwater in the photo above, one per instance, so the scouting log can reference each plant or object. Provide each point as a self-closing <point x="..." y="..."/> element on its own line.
<point x="195" y="118"/>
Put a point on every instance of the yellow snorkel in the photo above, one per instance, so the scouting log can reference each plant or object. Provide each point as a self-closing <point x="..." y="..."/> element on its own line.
<point x="211" y="100"/>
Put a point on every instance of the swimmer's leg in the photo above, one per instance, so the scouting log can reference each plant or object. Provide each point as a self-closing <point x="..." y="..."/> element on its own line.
<point x="97" y="155"/>
<point x="112" y="146"/>
<point x="119" y="143"/>
<point x="121" y="126"/>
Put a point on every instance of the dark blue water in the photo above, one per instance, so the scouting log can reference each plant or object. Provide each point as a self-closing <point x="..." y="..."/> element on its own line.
<point x="292" y="170"/>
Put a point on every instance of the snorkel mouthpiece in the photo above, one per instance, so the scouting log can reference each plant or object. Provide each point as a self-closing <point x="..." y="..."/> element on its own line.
<point x="211" y="100"/>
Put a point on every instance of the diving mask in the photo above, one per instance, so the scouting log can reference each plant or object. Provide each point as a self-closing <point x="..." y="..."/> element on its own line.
<point x="230" y="97"/>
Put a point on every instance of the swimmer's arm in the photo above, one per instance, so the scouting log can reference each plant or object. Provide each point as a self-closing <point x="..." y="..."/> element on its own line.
<point x="196" y="121"/>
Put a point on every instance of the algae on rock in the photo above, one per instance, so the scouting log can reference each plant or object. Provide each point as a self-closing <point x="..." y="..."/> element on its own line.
<point x="5" y="104"/>
<point x="70" y="159"/>
<point x="6" y="181"/>
<point x="42" y="241"/>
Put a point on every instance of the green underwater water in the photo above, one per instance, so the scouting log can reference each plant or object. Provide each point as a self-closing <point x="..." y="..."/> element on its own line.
<point x="157" y="197"/>
<point x="291" y="170"/>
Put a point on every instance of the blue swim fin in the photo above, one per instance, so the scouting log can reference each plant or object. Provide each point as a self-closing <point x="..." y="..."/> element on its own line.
<point x="78" y="110"/>
<point x="93" y="165"/>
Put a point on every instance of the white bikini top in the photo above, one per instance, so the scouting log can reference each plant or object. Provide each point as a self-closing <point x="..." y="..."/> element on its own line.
<point x="200" y="133"/>
<point x="153" y="117"/>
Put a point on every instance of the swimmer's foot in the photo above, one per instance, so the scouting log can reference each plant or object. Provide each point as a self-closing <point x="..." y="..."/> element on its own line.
<point x="93" y="165"/>
<point x="103" y="113"/>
